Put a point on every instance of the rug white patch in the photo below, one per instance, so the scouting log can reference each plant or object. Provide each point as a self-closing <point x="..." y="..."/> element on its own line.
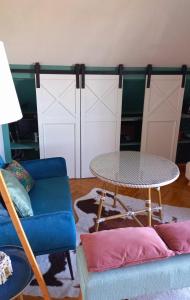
<point x="69" y="287"/>
<point x="86" y="221"/>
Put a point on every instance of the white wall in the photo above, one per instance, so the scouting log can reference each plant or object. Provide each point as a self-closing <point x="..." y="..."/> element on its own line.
<point x="96" y="32"/>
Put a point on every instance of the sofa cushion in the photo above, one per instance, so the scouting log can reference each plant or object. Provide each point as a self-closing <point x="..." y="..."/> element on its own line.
<point x="176" y="236"/>
<point x="18" y="194"/>
<point x="51" y="195"/>
<point x="44" y="232"/>
<point x="46" y="168"/>
<point x="115" y="248"/>
<point x="21" y="174"/>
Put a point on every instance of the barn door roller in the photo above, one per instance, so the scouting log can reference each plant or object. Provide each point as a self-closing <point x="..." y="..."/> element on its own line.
<point x="37" y="72"/>
<point x="184" y="73"/>
<point x="149" y="73"/>
<point x="120" y="73"/>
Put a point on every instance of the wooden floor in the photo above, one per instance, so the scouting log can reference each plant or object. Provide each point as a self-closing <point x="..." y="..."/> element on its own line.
<point x="177" y="194"/>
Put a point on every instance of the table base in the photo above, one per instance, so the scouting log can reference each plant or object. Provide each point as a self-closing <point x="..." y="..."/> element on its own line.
<point x="130" y="213"/>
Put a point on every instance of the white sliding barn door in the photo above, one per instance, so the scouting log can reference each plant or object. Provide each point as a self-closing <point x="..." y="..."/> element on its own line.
<point x="100" y="118"/>
<point x="58" y="104"/>
<point x="161" y="116"/>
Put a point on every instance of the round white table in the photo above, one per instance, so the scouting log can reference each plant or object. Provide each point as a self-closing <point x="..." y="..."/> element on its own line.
<point x="135" y="170"/>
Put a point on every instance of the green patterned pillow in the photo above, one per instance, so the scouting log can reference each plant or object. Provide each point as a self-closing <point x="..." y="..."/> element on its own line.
<point x="18" y="194"/>
<point x="21" y="174"/>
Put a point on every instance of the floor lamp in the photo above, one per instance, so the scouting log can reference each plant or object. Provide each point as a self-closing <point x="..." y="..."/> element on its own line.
<point x="9" y="112"/>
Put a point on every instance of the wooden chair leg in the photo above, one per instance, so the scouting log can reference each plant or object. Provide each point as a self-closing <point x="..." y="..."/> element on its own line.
<point x="22" y="237"/>
<point x="102" y="198"/>
<point x="115" y="197"/>
<point x="69" y="264"/>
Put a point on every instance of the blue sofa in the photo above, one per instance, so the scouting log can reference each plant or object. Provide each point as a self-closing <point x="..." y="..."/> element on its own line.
<point x="52" y="228"/>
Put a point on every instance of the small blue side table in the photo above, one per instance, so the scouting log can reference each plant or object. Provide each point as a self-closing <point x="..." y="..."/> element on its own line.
<point x="22" y="273"/>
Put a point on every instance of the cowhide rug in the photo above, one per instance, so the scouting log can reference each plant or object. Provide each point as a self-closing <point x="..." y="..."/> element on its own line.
<point x="54" y="266"/>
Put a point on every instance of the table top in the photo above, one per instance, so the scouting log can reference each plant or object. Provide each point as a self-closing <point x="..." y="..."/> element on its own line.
<point x="134" y="169"/>
<point x="22" y="273"/>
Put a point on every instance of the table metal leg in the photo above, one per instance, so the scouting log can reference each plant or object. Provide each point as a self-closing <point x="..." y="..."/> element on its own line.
<point x="102" y="198"/>
<point x="148" y="210"/>
<point x="115" y="197"/>
<point x="160" y="203"/>
<point x="149" y="207"/>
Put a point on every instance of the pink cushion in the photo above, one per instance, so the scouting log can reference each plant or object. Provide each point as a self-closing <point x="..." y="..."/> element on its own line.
<point x="115" y="248"/>
<point x="176" y="236"/>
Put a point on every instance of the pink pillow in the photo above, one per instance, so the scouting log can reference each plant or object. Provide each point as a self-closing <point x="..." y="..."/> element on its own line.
<point x="176" y="236"/>
<point x="115" y="248"/>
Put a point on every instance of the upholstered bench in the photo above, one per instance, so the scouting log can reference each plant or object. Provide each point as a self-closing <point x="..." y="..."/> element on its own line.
<point x="132" y="281"/>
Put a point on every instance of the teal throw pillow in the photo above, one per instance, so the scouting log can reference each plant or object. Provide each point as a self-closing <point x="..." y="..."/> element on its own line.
<point x="21" y="174"/>
<point x="18" y="194"/>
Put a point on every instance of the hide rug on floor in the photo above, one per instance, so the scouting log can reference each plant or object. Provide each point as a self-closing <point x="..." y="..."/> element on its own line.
<point x="54" y="266"/>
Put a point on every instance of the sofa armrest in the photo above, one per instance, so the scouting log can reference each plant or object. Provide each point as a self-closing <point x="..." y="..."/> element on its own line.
<point x="46" y="168"/>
